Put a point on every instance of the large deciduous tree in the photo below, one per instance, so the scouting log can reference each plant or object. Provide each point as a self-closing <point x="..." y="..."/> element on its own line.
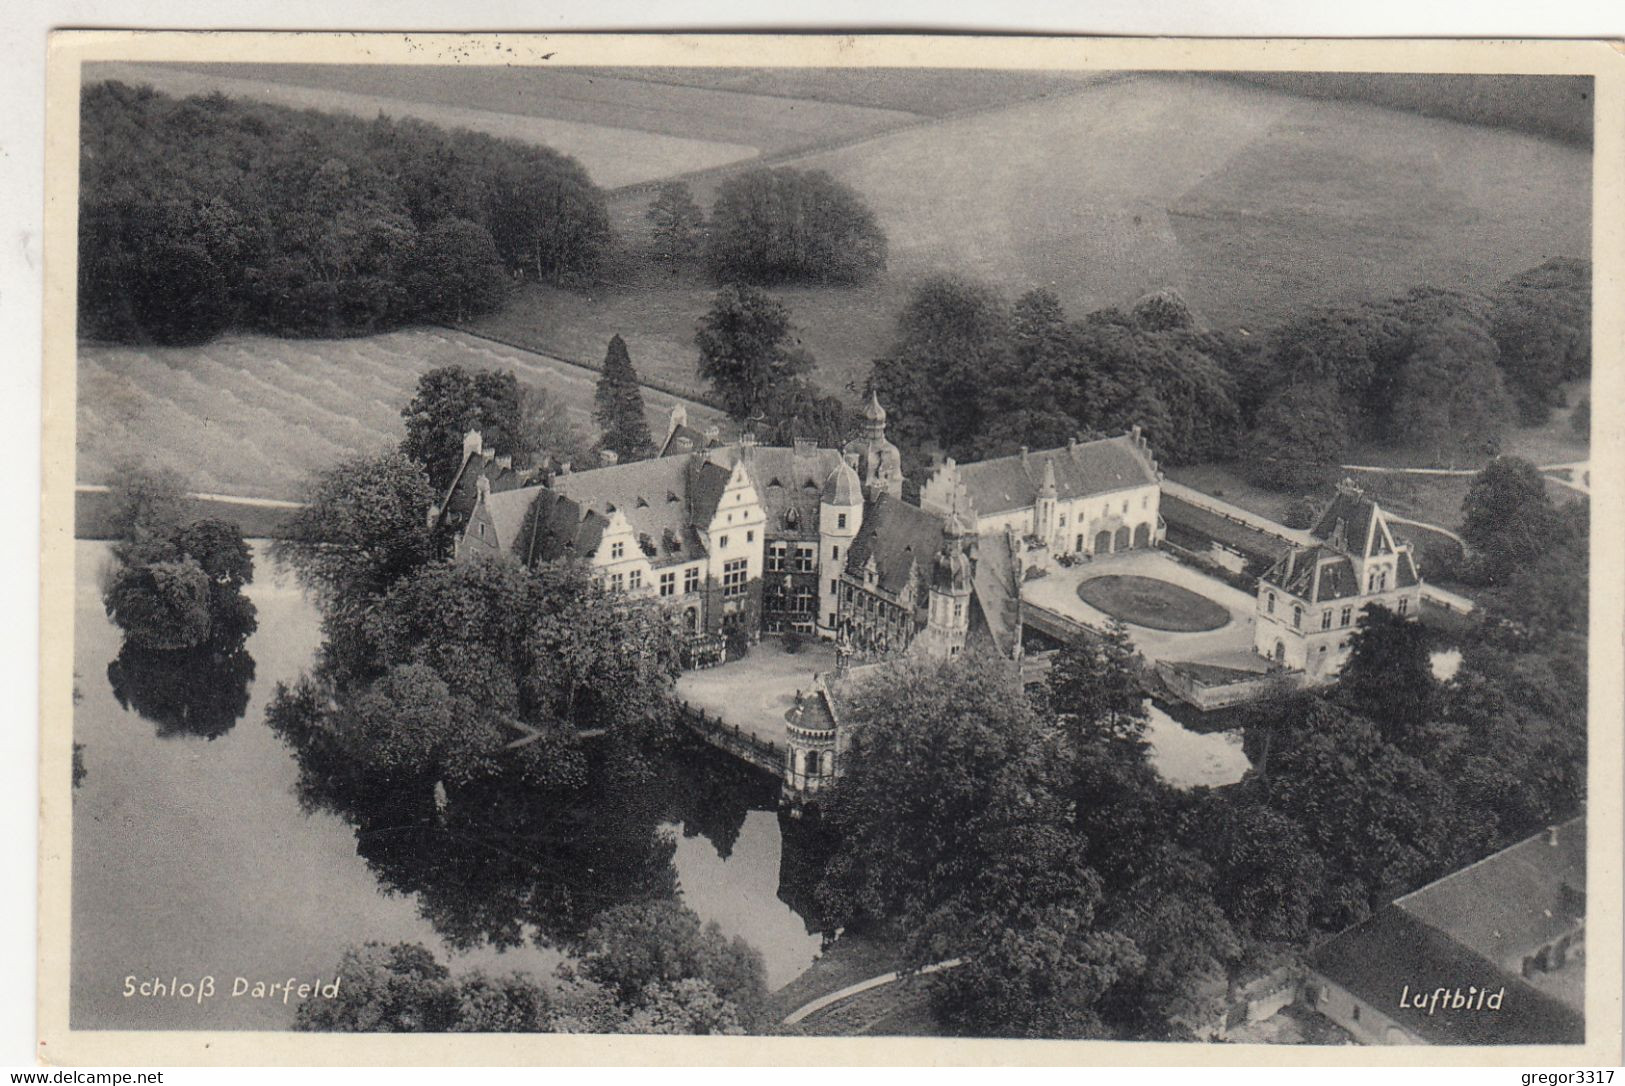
<point x="618" y="406"/>
<point x="675" y="222"/>
<point x="449" y="402"/>
<point x="1388" y="676"/>
<point x="783" y="225"/>
<point x="748" y="349"/>
<point x="1541" y="321"/>
<point x="1299" y="438"/>
<point x="1451" y="396"/>
<point x="455" y="272"/>
<point x="1507" y="517"/>
<point x="364" y="526"/>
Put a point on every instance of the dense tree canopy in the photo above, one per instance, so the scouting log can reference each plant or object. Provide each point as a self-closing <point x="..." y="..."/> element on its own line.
<point x="1507" y="517"/>
<point x="749" y="350"/>
<point x="978" y="378"/>
<point x="448" y="403"/>
<point x="1541" y="322"/>
<point x="771" y="226"/>
<point x="207" y="213"/>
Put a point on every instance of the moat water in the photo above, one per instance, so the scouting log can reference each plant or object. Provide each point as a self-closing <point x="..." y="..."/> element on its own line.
<point x="194" y="856"/>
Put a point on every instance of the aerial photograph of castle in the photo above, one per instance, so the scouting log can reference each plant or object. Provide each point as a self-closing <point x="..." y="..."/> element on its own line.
<point x="937" y="552"/>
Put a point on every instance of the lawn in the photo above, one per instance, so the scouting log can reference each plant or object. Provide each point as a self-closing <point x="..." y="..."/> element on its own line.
<point x="1266" y="203"/>
<point x="1154" y="604"/>
<point x="252" y="415"/>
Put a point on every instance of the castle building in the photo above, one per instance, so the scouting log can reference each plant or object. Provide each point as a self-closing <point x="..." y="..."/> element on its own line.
<point x="1087" y="497"/>
<point x="1310" y="600"/>
<point x="755" y="539"/>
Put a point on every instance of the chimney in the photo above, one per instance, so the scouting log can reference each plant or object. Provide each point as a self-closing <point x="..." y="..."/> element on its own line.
<point x="505" y="462"/>
<point x="1024" y="456"/>
<point x="805" y="446"/>
<point x="712" y="434"/>
<point x="1134" y="431"/>
<point x="564" y="467"/>
<point x="679" y="417"/>
<point x="483" y="486"/>
<point x="610" y="457"/>
<point x="1551" y="836"/>
<point x="1071" y="443"/>
<point x="473" y="444"/>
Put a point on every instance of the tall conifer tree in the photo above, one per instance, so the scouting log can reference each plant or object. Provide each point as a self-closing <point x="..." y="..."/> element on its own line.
<point x="619" y="411"/>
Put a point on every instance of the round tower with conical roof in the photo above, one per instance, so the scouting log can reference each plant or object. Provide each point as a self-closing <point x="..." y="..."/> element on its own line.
<point x="840" y="515"/>
<point x="879" y="464"/>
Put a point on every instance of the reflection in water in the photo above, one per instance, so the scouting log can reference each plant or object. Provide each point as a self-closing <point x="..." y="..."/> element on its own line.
<point x="201" y="692"/>
<point x="229" y="863"/>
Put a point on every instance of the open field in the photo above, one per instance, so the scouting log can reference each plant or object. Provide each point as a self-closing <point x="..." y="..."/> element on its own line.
<point x="930" y="92"/>
<point x="252" y="415"/>
<point x="1253" y="203"/>
<point x="613" y="154"/>
<point x="766" y="122"/>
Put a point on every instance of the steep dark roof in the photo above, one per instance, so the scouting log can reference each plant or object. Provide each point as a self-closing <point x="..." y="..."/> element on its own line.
<point x="996" y="593"/>
<point x="684" y="439"/>
<point x="1406" y="576"/>
<point x="1081" y="470"/>
<point x="508" y="510"/>
<point x="709" y="483"/>
<point x="1317" y="574"/>
<point x="1513" y="902"/>
<point x="800" y="475"/>
<point x="1347" y="522"/>
<point x="1391" y="950"/>
<point x="652" y="494"/>
<point x="558" y="528"/>
<point x="899" y="537"/>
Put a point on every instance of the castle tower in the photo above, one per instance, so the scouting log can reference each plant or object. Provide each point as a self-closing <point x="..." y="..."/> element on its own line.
<point x="1044" y="510"/>
<point x="840" y="515"/>
<point x="879" y="464"/>
<point x="948" y="606"/>
<point x="810" y="750"/>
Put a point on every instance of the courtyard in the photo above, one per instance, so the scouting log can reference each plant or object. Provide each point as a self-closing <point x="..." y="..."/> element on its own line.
<point x="753" y="694"/>
<point x="1226" y="612"/>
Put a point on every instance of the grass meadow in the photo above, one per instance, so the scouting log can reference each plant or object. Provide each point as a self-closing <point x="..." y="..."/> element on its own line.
<point x="255" y="416"/>
<point x="1253" y="203"/>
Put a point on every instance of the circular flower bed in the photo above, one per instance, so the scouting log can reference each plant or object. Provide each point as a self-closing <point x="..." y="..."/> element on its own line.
<point x="1154" y="604"/>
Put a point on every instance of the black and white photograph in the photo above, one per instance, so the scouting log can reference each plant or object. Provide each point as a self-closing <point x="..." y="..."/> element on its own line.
<point x="680" y="544"/>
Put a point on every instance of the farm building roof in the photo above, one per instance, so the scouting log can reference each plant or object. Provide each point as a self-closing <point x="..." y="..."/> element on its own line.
<point x="1514" y="902"/>
<point x="1392" y="950"/>
<point x="1473" y="928"/>
<point x="1242" y="538"/>
<point x="1081" y="469"/>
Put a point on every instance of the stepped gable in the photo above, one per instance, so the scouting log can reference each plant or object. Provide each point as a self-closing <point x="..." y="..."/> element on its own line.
<point x="651" y="494"/>
<point x="899" y="538"/>
<point x="1080" y="470"/>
